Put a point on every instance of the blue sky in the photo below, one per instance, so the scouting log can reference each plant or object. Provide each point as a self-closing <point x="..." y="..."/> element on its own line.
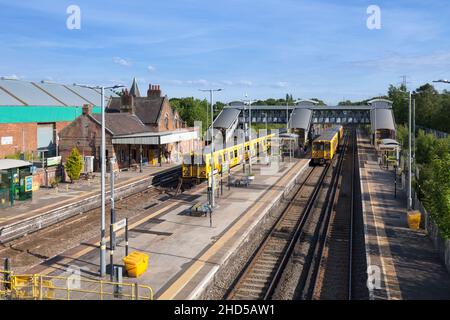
<point x="265" y="48"/>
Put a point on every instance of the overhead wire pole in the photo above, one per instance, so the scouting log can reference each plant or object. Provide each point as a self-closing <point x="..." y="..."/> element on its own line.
<point x="212" y="200"/>
<point x="249" y="132"/>
<point x="103" y="226"/>
<point x="243" y="141"/>
<point x="287" y="115"/>
<point x="409" y="155"/>
<point x="103" y="173"/>
<point x="414" y="131"/>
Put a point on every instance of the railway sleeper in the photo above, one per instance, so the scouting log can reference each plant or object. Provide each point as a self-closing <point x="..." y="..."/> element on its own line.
<point x="252" y="285"/>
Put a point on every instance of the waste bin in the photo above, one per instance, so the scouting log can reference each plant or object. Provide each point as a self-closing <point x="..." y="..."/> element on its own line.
<point x="414" y="219"/>
<point x="136" y="263"/>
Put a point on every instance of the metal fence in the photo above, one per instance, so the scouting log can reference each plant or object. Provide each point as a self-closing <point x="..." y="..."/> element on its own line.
<point x="45" y="287"/>
<point x="436" y="133"/>
<point x="440" y="244"/>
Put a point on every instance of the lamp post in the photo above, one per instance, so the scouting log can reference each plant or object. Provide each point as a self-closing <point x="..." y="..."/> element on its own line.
<point x="409" y="154"/>
<point x="249" y="131"/>
<point x="212" y="202"/>
<point x="442" y="81"/>
<point x="243" y="142"/>
<point x="103" y="173"/>
<point x="287" y="115"/>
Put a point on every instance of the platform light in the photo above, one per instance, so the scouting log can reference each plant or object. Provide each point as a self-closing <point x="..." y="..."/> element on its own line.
<point x="212" y="203"/>
<point x="103" y="173"/>
<point x="442" y="81"/>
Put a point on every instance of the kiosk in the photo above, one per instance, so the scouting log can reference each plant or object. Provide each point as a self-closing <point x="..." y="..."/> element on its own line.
<point x="16" y="181"/>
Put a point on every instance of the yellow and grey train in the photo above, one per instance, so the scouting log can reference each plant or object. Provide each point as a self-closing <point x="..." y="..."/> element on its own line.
<point x="326" y="145"/>
<point x="197" y="165"/>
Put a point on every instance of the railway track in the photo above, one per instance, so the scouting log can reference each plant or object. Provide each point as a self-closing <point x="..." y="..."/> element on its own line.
<point x="328" y="272"/>
<point x="261" y="275"/>
<point x="265" y="272"/>
<point x="34" y="248"/>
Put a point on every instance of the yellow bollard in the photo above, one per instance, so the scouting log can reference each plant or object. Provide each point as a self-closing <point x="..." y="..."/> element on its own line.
<point x="414" y="218"/>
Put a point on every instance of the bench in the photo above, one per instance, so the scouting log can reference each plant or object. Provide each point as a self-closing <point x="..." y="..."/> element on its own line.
<point x="202" y="208"/>
<point x="244" y="181"/>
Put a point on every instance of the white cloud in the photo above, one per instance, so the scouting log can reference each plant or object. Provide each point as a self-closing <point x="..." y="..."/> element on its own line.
<point x="205" y="83"/>
<point x="200" y="82"/>
<point x="151" y="68"/>
<point x="246" y="83"/>
<point x="226" y="82"/>
<point x="396" y="60"/>
<point x="281" y="84"/>
<point x="197" y="82"/>
<point x="12" y="77"/>
<point x="122" y="61"/>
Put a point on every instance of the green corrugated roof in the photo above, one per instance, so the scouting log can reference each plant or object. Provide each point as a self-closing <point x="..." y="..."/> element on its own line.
<point x="20" y="114"/>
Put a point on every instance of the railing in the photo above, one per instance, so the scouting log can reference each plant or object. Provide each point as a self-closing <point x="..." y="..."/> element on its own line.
<point x="441" y="245"/>
<point x="45" y="287"/>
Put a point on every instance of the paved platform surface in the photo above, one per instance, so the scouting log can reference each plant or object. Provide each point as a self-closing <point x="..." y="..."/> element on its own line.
<point x="410" y="266"/>
<point x="184" y="250"/>
<point x="46" y="199"/>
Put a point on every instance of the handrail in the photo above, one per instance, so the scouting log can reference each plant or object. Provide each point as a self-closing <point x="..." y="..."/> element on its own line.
<point x="47" y="287"/>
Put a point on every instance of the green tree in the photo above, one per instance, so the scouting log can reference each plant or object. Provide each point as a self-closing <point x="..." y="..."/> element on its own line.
<point x="192" y="110"/>
<point x="442" y="117"/>
<point x="320" y="102"/>
<point x="427" y="106"/>
<point x="218" y="107"/>
<point x="74" y="165"/>
<point x="399" y="98"/>
<point x="437" y="194"/>
<point x="425" y="147"/>
<point x="402" y="136"/>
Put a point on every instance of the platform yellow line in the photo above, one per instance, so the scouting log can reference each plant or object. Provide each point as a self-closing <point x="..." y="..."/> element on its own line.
<point x="382" y="241"/>
<point x="120" y="232"/>
<point x="171" y="292"/>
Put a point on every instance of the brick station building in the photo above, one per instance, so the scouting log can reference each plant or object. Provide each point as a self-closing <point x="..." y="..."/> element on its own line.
<point x="146" y="128"/>
<point x="33" y="113"/>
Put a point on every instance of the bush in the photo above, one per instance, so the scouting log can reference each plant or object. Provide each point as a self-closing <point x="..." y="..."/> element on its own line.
<point x="433" y="186"/>
<point x="437" y="193"/>
<point x="74" y="165"/>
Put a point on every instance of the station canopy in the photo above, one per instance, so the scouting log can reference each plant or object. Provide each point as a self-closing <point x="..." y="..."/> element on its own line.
<point x="300" y="119"/>
<point x="6" y="164"/>
<point x="382" y="119"/>
<point x="226" y="118"/>
<point x="156" y="138"/>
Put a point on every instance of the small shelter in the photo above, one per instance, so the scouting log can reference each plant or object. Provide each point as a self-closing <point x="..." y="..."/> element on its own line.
<point x="16" y="181"/>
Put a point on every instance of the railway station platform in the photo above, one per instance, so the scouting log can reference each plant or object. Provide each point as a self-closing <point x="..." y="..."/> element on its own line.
<point x="187" y="251"/>
<point x="402" y="260"/>
<point x="48" y="201"/>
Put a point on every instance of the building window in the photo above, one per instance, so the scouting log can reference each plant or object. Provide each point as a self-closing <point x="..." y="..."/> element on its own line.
<point x="166" y="121"/>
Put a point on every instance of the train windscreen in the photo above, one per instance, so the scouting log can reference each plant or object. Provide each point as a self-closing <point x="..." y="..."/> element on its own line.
<point x="318" y="146"/>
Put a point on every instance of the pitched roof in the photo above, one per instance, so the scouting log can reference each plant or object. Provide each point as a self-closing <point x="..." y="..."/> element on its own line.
<point x="147" y="109"/>
<point x="20" y="93"/>
<point x="122" y="123"/>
